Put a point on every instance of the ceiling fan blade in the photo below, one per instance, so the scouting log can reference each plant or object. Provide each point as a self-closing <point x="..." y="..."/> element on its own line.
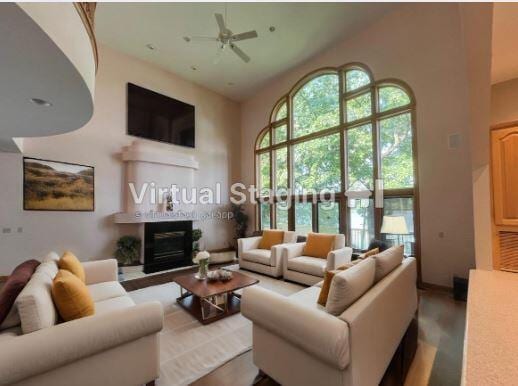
<point x="240" y="53"/>
<point x="244" y="36"/>
<point x="221" y="22"/>
<point x="201" y="39"/>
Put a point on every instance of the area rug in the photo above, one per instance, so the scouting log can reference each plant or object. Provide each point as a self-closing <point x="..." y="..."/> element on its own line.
<point x="190" y="350"/>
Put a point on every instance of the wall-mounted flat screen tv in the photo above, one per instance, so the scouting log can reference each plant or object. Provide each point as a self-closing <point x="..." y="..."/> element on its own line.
<point x="159" y="118"/>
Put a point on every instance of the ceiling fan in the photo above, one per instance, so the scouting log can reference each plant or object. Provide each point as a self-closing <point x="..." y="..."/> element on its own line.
<point x="226" y="38"/>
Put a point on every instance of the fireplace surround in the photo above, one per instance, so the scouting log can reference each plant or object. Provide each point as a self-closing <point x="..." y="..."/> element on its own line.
<point x="167" y="244"/>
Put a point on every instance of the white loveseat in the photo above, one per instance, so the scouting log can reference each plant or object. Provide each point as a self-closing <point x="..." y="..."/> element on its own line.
<point x="117" y="346"/>
<point x="296" y="342"/>
<point x="310" y="270"/>
<point x="265" y="261"/>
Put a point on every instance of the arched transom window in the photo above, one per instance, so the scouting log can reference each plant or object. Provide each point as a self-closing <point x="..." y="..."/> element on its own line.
<point x="338" y="130"/>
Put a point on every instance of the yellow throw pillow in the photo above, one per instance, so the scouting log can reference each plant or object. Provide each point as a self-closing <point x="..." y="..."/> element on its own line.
<point x="319" y="245"/>
<point x="270" y="238"/>
<point x="71" y="296"/>
<point x="71" y="263"/>
<point x="326" y="286"/>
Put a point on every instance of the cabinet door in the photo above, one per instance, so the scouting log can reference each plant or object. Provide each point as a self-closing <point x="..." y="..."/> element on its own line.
<point x="504" y="146"/>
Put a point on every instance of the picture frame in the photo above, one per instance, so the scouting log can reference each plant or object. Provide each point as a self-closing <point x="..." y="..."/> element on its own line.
<point x="57" y="186"/>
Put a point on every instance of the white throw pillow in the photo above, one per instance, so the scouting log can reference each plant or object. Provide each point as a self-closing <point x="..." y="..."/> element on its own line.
<point x="35" y="305"/>
<point x="349" y="285"/>
<point x="49" y="268"/>
<point x="387" y="261"/>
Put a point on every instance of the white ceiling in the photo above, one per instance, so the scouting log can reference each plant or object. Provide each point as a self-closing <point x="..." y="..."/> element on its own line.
<point x="302" y="30"/>
<point x="505" y="42"/>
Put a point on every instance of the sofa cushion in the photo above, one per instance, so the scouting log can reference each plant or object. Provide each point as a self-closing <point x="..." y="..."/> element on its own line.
<point x="72" y="264"/>
<point x="261" y="256"/>
<point x="270" y="238"/>
<point x="308" y="297"/>
<point x="106" y="290"/>
<point x="387" y="261"/>
<point x="71" y="296"/>
<point x="349" y="285"/>
<point x="51" y="256"/>
<point x="319" y="245"/>
<point x="307" y="264"/>
<point x="10" y="333"/>
<point x="326" y="284"/>
<point x="112" y="304"/>
<point x="35" y="304"/>
<point x="12" y="288"/>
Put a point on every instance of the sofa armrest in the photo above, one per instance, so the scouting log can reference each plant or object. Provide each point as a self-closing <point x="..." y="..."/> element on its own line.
<point x="290" y="251"/>
<point x="248" y="243"/>
<point x="41" y="351"/>
<point x="339" y="257"/>
<point x="391" y="302"/>
<point x="277" y="253"/>
<point x="316" y="332"/>
<point x="99" y="271"/>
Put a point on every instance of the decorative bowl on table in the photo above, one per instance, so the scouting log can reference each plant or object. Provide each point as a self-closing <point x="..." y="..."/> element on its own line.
<point x="225" y="275"/>
<point x="213" y="275"/>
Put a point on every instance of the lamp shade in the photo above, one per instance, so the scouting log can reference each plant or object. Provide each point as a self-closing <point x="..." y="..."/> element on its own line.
<point x="394" y="225"/>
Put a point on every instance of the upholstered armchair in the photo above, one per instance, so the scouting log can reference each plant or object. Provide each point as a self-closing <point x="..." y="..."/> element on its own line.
<point x="310" y="270"/>
<point x="265" y="261"/>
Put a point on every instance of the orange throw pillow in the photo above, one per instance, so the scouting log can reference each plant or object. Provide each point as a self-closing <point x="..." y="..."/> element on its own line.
<point x="72" y="264"/>
<point x="71" y="296"/>
<point x="369" y="253"/>
<point x="270" y="238"/>
<point x="319" y="245"/>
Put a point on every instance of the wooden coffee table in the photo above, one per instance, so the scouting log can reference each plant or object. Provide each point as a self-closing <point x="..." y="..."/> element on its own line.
<point x="210" y="301"/>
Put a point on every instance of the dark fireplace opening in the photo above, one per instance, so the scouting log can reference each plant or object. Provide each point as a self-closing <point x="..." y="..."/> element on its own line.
<point x="167" y="245"/>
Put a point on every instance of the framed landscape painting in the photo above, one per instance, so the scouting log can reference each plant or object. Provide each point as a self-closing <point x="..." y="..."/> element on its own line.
<point x="52" y="185"/>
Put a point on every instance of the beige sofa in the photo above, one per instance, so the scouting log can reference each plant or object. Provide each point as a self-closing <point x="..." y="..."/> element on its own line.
<point x="296" y="342"/>
<point x="117" y="346"/>
<point x="267" y="262"/>
<point x="310" y="270"/>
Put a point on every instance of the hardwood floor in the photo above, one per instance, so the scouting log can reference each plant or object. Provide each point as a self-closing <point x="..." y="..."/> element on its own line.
<point x="438" y="361"/>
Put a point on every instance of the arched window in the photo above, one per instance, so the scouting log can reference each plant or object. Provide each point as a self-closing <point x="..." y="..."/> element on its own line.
<point x="339" y="130"/>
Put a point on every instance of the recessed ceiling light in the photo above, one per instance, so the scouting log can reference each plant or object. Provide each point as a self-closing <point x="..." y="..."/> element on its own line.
<point x="150" y="47"/>
<point x="187" y="39"/>
<point x="194" y="68"/>
<point x="272" y="28"/>
<point x="41" y="102"/>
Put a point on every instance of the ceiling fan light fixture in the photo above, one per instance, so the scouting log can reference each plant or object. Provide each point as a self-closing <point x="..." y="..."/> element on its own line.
<point x="150" y="47"/>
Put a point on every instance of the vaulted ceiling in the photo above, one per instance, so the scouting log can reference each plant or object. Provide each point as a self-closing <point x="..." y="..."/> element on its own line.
<point x="301" y="31"/>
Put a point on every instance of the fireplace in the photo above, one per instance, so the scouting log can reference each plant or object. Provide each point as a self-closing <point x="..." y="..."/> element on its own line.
<point x="167" y="245"/>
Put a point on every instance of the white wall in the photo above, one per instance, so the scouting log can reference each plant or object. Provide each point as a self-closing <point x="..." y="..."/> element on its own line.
<point x="93" y="235"/>
<point x="422" y="45"/>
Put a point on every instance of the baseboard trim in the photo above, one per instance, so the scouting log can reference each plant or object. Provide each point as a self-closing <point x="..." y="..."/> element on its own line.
<point x="435" y="287"/>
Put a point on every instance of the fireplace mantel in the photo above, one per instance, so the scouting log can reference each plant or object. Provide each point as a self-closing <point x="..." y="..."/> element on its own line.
<point x="131" y="218"/>
<point x="137" y="152"/>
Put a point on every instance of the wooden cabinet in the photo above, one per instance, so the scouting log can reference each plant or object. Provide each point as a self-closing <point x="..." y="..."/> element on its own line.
<point x="504" y="167"/>
<point x="505" y="175"/>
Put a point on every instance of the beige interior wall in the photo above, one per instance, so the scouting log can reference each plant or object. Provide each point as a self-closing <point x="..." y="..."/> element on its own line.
<point x="477" y="23"/>
<point x="92" y="235"/>
<point x="504" y="102"/>
<point x="421" y="44"/>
